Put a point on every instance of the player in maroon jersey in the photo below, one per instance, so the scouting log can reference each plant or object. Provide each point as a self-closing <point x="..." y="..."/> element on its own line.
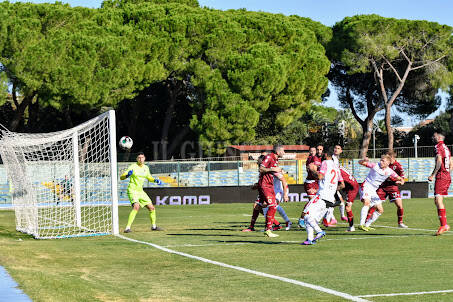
<point x="311" y="181"/>
<point x="390" y="189"/>
<point x="266" y="192"/>
<point x="442" y="175"/>
<point x="351" y="189"/>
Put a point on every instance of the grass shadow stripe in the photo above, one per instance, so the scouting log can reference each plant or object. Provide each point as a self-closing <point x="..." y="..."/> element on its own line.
<point x="238" y="268"/>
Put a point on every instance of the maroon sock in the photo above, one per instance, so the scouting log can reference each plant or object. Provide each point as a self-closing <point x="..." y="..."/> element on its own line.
<point x="255" y="214"/>
<point x="442" y="216"/>
<point x="350" y="218"/>
<point x="400" y="213"/>
<point x="370" y="212"/>
<point x="270" y="217"/>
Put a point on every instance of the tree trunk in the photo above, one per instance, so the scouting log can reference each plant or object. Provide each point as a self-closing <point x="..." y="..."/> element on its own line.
<point x="388" y="125"/>
<point x="367" y="129"/>
<point x="172" y="95"/>
<point x="177" y="139"/>
<point x="19" y="114"/>
<point x="33" y="118"/>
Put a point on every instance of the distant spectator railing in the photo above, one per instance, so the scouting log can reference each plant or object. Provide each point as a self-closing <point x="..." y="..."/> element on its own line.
<point x="234" y="172"/>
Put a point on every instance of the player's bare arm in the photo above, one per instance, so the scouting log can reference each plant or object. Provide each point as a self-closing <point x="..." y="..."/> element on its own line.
<point x="313" y="168"/>
<point x="364" y="161"/>
<point x="285" y="187"/>
<point x="272" y="169"/>
<point x="437" y="167"/>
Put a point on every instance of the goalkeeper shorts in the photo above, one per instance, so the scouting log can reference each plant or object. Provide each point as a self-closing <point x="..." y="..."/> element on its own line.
<point x="140" y="197"/>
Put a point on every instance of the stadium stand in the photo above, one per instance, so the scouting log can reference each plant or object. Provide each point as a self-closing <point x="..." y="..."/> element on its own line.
<point x="237" y="173"/>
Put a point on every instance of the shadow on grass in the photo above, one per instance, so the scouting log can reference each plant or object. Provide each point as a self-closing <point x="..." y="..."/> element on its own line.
<point x="254" y="241"/>
<point x="209" y="235"/>
<point x="7" y="233"/>
<point x="211" y="229"/>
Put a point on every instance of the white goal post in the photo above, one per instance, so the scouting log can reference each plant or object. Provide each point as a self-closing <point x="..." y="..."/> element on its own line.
<point x="64" y="184"/>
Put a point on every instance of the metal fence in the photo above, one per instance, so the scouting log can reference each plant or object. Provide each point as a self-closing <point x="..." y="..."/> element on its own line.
<point x="206" y="173"/>
<point x="402" y="152"/>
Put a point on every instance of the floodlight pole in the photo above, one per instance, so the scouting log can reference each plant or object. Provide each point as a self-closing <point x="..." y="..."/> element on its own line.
<point x="416" y="138"/>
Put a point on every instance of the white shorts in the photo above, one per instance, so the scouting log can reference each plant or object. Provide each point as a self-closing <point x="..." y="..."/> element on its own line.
<point x="369" y="192"/>
<point x="316" y="208"/>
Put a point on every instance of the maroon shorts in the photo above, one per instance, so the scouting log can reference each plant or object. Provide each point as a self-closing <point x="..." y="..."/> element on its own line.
<point x="267" y="196"/>
<point x="441" y="186"/>
<point x="352" y="192"/>
<point x="393" y="193"/>
<point x="311" y="188"/>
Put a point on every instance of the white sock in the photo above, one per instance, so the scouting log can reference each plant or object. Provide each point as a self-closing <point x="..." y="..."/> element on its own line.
<point x="373" y="218"/>
<point x="364" y="214"/>
<point x="154" y="226"/>
<point x="342" y="209"/>
<point x="309" y="229"/>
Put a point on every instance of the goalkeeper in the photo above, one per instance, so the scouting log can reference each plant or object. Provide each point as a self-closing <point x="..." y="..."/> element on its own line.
<point x="137" y="173"/>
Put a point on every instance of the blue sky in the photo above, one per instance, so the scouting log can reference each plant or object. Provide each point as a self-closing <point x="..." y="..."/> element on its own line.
<point x="329" y="12"/>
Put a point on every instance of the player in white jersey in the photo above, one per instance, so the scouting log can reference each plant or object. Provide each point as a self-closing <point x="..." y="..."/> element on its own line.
<point x="329" y="177"/>
<point x="378" y="174"/>
<point x="329" y="219"/>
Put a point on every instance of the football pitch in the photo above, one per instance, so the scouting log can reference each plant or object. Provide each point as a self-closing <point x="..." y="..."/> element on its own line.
<point x="202" y="255"/>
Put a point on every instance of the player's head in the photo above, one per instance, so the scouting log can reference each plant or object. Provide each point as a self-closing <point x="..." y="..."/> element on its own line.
<point x="141" y="158"/>
<point x="260" y="159"/>
<point x="319" y="150"/>
<point x="312" y="151"/>
<point x="392" y="155"/>
<point x="328" y="153"/>
<point x="337" y="150"/>
<point x="438" y="136"/>
<point x="279" y="150"/>
<point x="385" y="161"/>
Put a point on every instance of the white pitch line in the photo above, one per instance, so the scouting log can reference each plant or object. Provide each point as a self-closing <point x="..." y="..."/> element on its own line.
<point x="292" y="281"/>
<point x="408" y="294"/>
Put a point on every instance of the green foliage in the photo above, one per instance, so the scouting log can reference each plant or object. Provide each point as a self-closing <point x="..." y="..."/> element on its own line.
<point x="121" y="3"/>
<point x="3" y="88"/>
<point x="245" y="68"/>
<point x="379" y="62"/>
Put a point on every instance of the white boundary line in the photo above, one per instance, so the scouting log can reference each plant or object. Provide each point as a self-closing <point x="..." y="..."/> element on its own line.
<point x="408" y="294"/>
<point x="300" y="283"/>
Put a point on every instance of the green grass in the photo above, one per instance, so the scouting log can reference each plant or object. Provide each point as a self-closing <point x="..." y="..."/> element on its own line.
<point x="106" y="268"/>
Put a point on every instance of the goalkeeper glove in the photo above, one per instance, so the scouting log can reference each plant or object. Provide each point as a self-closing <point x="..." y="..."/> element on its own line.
<point x="158" y="182"/>
<point x="129" y="173"/>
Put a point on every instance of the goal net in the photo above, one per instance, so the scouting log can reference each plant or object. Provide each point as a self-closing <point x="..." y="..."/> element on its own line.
<point x="64" y="184"/>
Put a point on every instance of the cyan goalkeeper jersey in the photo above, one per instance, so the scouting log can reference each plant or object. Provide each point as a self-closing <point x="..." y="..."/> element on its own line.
<point x="138" y="177"/>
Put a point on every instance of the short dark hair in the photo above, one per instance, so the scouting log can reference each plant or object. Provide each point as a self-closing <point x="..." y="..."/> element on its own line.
<point x="276" y="147"/>
<point x="329" y="151"/>
<point x="439" y="131"/>
<point x="260" y="159"/>
<point x="140" y="153"/>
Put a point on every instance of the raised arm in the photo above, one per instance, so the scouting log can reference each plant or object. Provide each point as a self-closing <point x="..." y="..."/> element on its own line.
<point x="364" y="161"/>
<point x="314" y="168"/>
<point x="272" y="169"/>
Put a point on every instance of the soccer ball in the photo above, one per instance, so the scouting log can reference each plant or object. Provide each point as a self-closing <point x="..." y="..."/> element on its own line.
<point x="125" y="142"/>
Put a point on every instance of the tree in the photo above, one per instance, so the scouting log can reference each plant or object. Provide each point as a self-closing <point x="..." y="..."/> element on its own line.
<point x="405" y="62"/>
